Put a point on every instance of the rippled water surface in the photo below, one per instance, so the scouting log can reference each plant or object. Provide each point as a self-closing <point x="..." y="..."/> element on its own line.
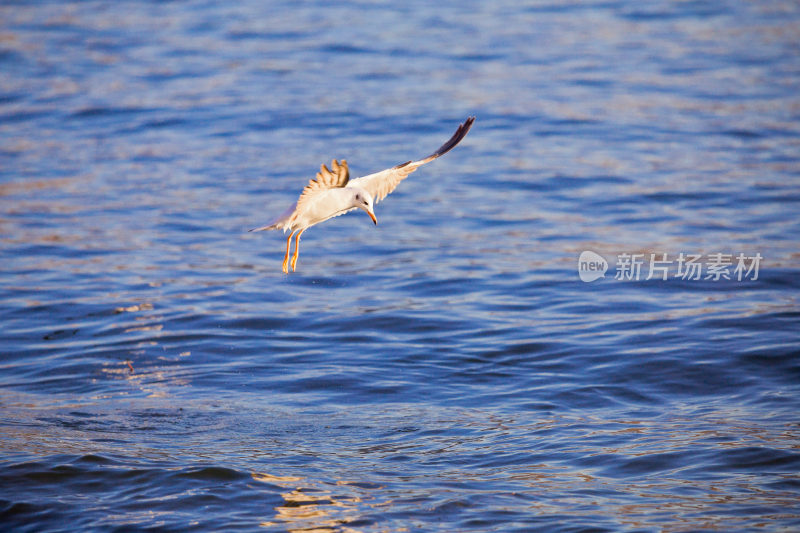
<point x="447" y="370"/>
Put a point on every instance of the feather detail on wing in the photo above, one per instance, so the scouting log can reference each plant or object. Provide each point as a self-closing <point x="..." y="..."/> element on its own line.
<point x="326" y="179"/>
<point x="380" y="184"/>
<point x="336" y="177"/>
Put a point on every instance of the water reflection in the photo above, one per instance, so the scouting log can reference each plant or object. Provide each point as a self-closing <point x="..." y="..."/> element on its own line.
<point x="645" y="473"/>
<point x="317" y="509"/>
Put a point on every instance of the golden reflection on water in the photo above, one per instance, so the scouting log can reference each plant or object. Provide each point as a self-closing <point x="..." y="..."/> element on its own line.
<point x="315" y="509"/>
<point x="678" y="494"/>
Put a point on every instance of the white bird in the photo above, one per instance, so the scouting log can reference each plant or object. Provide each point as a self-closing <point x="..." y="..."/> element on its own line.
<point x="332" y="193"/>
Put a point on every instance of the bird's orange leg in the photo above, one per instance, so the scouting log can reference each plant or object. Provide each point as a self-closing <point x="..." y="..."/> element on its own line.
<point x="296" y="247"/>
<point x="286" y="257"/>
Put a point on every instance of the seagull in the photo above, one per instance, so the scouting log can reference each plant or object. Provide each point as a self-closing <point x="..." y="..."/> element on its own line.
<point x="333" y="193"/>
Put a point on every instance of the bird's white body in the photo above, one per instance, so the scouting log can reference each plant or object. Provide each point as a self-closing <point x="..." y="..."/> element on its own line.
<point x="333" y="193"/>
<point x="328" y="204"/>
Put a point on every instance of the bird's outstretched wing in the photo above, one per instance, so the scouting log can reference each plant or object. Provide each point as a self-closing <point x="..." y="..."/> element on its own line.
<point x="326" y="179"/>
<point x="380" y="184"/>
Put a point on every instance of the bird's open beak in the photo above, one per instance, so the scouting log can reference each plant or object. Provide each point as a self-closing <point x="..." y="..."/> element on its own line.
<point x="372" y="216"/>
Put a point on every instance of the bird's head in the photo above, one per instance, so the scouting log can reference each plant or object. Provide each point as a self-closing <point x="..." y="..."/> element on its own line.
<point x="363" y="200"/>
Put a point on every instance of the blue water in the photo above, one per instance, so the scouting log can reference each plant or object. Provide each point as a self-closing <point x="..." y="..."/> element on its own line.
<point x="446" y="370"/>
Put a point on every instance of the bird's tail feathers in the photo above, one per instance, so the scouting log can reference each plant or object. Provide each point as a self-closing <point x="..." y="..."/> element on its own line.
<point x="282" y="222"/>
<point x="262" y="228"/>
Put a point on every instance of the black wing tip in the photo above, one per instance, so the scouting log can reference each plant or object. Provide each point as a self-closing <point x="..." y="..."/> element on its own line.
<point x="466" y="125"/>
<point x="462" y="130"/>
<point x="457" y="137"/>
